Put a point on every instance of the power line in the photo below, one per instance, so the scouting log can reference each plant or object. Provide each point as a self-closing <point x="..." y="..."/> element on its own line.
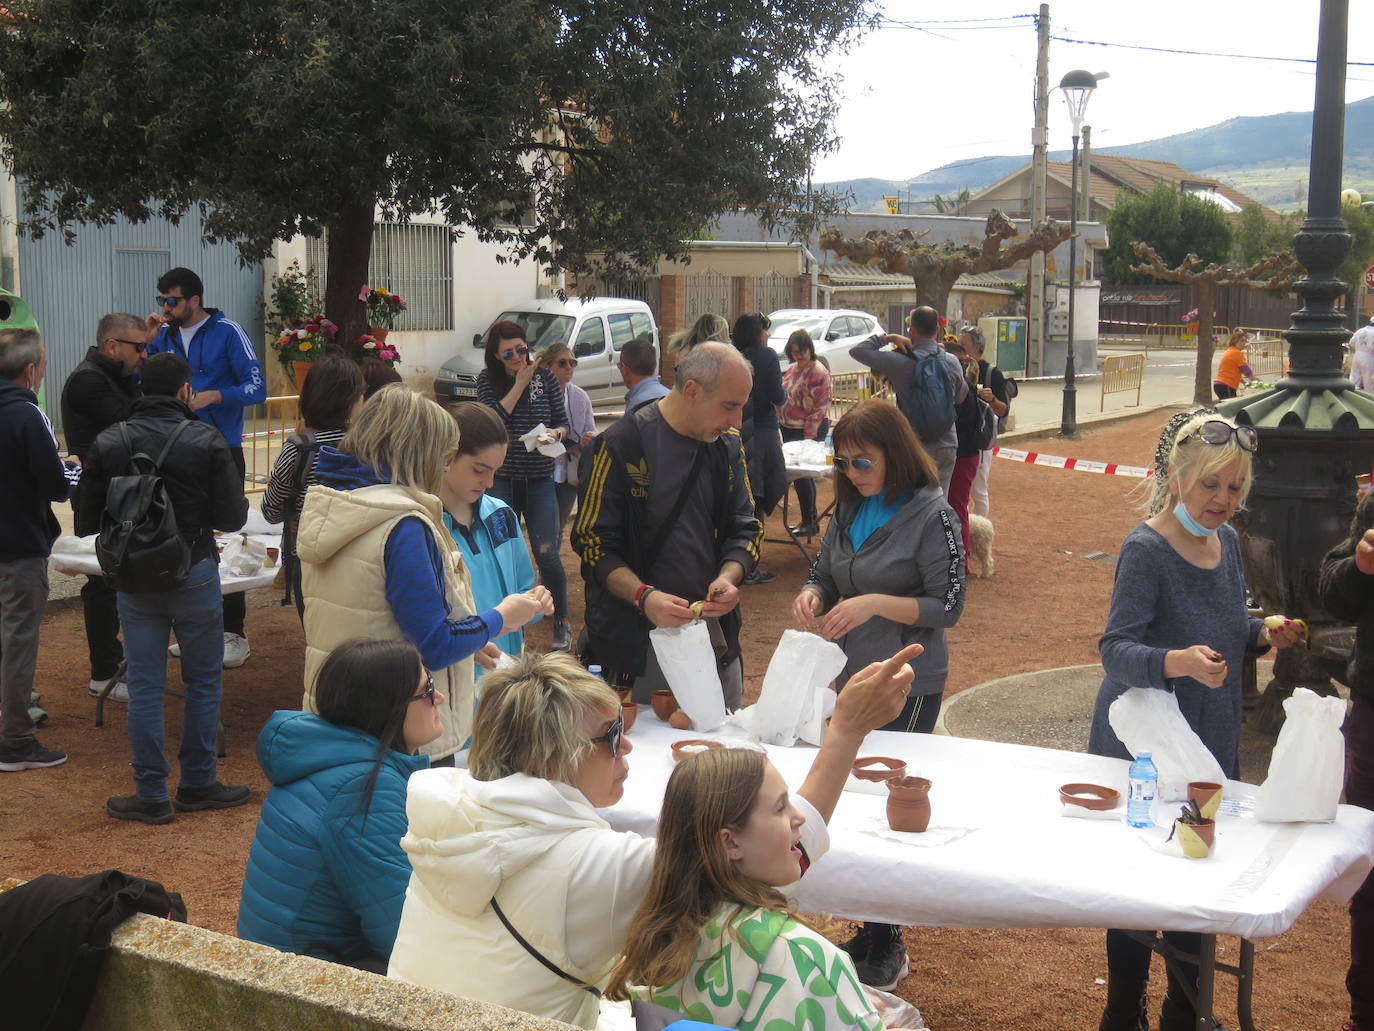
<point x="1198" y="53"/>
<point x="953" y="21"/>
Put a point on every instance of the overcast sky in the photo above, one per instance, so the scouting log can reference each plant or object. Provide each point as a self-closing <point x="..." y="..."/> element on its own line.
<point x="917" y="98"/>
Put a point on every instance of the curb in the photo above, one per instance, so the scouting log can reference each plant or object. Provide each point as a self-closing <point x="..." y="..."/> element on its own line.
<point x="1093" y="422"/>
<point x="969" y="692"/>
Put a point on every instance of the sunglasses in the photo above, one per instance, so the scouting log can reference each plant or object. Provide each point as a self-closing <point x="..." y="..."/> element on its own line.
<point x="428" y="694"/>
<point x="523" y="352"/>
<point x="138" y="345"/>
<point x="169" y="302"/>
<point x="861" y="464"/>
<point x="1216" y="432"/>
<point x="612" y="735"/>
<point x="566" y="363"/>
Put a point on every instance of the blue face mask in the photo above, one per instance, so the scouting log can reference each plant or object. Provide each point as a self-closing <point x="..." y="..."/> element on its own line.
<point x="1190" y="524"/>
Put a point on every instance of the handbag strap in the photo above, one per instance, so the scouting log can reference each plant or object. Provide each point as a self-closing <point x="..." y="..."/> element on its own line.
<point x="675" y="513"/>
<point x="544" y="960"/>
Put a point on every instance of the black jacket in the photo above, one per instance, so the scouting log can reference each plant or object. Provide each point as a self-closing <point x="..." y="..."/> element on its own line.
<point x="1348" y="595"/>
<point x="202" y="481"/>
<point x="31" y="476"/>
<point x="97" y="394"/>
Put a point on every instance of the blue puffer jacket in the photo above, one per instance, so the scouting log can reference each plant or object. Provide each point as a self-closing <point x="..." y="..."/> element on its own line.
<point x="320" y="881"/>
<point x="221" y="358"/>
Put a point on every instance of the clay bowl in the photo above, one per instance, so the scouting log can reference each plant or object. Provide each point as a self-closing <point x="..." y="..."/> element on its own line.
<point x="1090" y="796"/>
<point x="877" y="768"/>
<point x="629" y="711"/>
<point x="664" y="704"/>
<point x="681" y="748"/>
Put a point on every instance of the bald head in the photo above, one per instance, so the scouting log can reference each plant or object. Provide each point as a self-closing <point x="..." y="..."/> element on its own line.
<point x="705" y="363"/>
<point x="713" y="384"/>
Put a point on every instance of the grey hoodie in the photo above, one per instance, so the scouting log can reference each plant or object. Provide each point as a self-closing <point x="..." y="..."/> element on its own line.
<point x="915" y="554"/>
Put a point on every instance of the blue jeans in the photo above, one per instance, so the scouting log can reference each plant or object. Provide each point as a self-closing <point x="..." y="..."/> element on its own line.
<point x="538" y="503"/>
<point x="195" y="612"/>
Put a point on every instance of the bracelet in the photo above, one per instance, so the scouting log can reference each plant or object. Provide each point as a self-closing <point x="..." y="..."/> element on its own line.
<point x="642" y="595"/>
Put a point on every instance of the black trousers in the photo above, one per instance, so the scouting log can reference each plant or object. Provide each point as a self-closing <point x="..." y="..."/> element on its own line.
<point x="235" y="604"/>
<point x="98" y="602"/>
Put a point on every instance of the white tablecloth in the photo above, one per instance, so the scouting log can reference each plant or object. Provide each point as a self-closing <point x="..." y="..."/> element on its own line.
<point x="1020" y="863"/>
<point x="84" y="563"/>
<point x="808" y="472"/>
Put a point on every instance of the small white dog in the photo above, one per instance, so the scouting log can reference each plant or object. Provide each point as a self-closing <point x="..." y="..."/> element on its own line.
<point x="980" y="535"/>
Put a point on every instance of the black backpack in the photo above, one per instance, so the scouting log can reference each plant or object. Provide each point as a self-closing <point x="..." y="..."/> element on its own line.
<point x="140" y="548"/>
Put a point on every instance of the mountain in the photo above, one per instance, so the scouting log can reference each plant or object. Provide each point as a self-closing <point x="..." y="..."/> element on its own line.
<point x="1264" y="156"/>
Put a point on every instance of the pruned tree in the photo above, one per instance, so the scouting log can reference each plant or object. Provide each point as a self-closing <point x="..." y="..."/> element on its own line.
<point x="935" y="268"/>
<point x="560" y="130"/>
<point x="1277" y="272"/>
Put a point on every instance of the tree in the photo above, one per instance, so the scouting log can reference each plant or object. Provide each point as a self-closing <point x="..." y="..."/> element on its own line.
<point x="1256" y="236"/>
<point x="1276" y="272"/>
<point x="1359" y="222"/>
<point x="1174" y="223"/>
<point x="935" y="268"/>
<point x="559" y="130"/>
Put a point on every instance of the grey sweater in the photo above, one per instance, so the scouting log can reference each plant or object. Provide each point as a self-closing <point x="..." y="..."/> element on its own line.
<point x="1161" y="602"/>
<point x="900" y="370"/>
<point x="917" y="554"/>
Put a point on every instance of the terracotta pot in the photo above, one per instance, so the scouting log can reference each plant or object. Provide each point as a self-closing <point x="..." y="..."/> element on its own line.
<point x="1090" y="796"/>
<point x="908" y="804"/>
<point x="680" y="748"/>
<point x="1206" y="795"/>
<point x="299" y="370"/>
<point x="378" y="333"/>
<point x="630" y="713"/>
<point x="664" y="704"/>
<point x="1196" y="839"/>
<point x="878" y="768"/>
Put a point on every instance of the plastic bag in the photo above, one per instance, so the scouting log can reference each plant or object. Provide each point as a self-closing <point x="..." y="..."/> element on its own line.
<point x="796" y="698"/>
<point x="243" y="556"/>
<point x="688" y="661"/>
<point x="1146" y="719"/>
<point x="1308" y="762"/>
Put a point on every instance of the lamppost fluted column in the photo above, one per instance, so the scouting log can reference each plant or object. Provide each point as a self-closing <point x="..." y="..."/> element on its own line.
<point x="1068" y="419"/>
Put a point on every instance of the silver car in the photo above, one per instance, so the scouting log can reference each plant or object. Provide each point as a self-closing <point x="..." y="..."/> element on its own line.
<point x="834" y="330"/>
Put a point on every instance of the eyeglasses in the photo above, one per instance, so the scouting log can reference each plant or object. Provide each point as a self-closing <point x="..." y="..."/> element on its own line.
<point x="523" y="352"/>
<point x="612" y="735"/>
<point x="169" y="302"/>
<point x="566" y="363"/>
<point x="137" y="345"/>
<point x="1219" y="433"/>
<point x="428" y="693"/>
<point x="861" y="464"/>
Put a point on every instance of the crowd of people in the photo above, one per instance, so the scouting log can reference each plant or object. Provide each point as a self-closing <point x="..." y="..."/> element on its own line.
<point x="437" y="792"/>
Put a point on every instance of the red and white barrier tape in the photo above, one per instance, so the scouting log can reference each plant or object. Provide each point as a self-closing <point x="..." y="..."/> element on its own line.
<point x="1078" y="464"/>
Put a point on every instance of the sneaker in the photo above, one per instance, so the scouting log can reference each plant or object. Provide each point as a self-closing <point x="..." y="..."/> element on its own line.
<point x="216" y="796"/>
<point x="236" y="650"/>
<point x="884" y="965"/>
<point x="859" y="946"/>
<point x="118" y="693"/>
<point x="759" y="576"/>
<point x="32" y="756"/>
<point x="131" y="807"/>
<point x="562" y="636"/>
<point x="174" y="651"/>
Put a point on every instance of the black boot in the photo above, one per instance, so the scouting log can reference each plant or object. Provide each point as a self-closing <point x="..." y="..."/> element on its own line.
<point x="1125" y="1005"/>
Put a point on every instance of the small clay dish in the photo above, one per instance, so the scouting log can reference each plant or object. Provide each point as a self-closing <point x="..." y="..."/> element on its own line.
<point x="1090" y="796"/>
<point x="691" y="745"/>
<point x="630" y="712"/>
<point x="877" y="768"/>
<point x="664" y="704"/>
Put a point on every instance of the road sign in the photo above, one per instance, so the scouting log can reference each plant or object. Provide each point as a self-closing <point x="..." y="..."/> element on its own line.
<point x="1369" y="277"/>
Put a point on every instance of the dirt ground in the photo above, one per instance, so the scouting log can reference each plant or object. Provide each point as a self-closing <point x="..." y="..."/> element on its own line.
<point x="1044" y="608"/>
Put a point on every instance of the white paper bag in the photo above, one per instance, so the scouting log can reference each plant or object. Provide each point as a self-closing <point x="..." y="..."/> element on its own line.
<point x="1146" y="719"/>
<point x="796" y="697"/>
<point x="1308" y="762"/>
<point x="688" y="661"/>
<point x="242" y="556"/>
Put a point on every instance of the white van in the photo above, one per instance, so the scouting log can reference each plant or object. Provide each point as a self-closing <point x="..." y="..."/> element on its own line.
<point x="595" y="328"/>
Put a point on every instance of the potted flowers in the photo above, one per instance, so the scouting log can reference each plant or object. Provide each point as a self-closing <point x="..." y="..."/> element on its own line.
<point x="382" y="309"/>
<point x="298" y="346"/>
<point x="370" y="346"/>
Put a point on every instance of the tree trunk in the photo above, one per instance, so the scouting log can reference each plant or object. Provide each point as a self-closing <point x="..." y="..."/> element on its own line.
<point x="933" y="288"/>
<point x="1202" y="380"/>
<point x="350" y="246"/>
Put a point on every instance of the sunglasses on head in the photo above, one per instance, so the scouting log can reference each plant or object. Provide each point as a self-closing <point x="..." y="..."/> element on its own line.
<point x="428" y="694"/>
<point x="613" y="734"/>
<point x="523" y="352"/>
<point x="169" y="302"/>
<point x="1219" y="433"/>
<point x="861" y="464"/>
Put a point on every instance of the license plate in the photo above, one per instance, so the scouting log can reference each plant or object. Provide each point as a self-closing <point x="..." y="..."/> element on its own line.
<point x="465" y="392"/>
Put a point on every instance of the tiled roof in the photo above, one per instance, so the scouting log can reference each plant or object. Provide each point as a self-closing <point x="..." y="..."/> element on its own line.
<point x="852" y="273"/>
<point x="1110" y="173"/>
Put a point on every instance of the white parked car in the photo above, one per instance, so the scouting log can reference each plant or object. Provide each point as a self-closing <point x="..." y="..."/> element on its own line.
<point x="834" y="330"/>
<point x="595" y="328"/>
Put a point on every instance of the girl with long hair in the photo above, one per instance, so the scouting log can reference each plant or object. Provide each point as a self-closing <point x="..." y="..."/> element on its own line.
<point x="326" y="875"/>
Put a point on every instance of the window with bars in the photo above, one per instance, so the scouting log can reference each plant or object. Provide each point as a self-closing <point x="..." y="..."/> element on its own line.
<point x="413" y="260"/>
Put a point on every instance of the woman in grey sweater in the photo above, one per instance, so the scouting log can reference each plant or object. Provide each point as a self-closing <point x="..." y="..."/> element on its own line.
<point x="1179" y="623"/>
<point x="890" y="574"/>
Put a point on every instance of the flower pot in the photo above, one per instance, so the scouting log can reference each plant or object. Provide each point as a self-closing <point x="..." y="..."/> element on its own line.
<point x="1206" y="795"/>
<point x="1196" y="839"/>
<point x="908" y="804"/>
<point x="630" y="712"/>
<point x="299" y="370"/>
<point x="664" y="704"/>
<point x="691" y="745"/>
<point x="378" y="333"/>
<point x="878" y="768"/>
<point x="1090" y="796"/>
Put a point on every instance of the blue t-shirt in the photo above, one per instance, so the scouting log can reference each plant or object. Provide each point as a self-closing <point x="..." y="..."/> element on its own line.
<point x="874" y="512"/>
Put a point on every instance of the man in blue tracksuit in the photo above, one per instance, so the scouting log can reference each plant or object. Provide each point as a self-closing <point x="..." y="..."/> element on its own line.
<point x="225" y="378"/>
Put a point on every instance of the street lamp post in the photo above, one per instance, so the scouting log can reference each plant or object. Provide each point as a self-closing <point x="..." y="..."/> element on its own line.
<point x="1076" y="86"/>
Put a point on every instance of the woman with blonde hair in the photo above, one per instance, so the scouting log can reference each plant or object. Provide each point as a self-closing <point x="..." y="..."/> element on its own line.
<point x="377" y="562"/>
<point x="708" y="327"/>
<point x="522" y="893"/>
<point x="1179" y="623"/>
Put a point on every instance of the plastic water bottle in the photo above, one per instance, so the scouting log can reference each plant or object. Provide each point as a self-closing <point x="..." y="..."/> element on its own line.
<point x="1141" y="790"/>
<point x="595" y="671"/>
<point x="829" y="449"/>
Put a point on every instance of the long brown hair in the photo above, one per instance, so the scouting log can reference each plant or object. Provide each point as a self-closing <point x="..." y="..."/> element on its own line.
<point x="693" y="877"/>
<point x="879" y="425"/>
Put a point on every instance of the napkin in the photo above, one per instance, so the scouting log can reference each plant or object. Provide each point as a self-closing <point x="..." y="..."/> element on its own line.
<point x="542" y="439"/>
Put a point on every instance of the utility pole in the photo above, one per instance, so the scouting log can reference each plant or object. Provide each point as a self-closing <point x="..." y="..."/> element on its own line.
<point x="1035" y="294"/>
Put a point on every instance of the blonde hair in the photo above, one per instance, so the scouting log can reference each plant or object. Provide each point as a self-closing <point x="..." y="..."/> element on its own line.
<point x="693" y="877"/>
<point x="709" y="327"/>
<point x="532" y="718"/>
<point x="404" y="437"/>
<point x="1189" y="459"/>
<point x="551" y="354"/>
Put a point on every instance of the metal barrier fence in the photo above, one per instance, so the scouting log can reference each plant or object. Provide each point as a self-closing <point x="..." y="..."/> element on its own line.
<point x="849" y="388"/>
<point x="1175" y="336"/>
<point x="1122" y="372"/>
<point x="265" y="429"/>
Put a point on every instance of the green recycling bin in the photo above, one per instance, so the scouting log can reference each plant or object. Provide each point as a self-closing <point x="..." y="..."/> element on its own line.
<point x="16" y="314"/>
